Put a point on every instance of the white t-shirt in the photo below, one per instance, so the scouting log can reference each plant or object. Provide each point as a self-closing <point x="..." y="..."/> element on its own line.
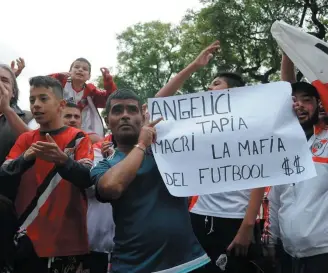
<point x="224" y="205"/>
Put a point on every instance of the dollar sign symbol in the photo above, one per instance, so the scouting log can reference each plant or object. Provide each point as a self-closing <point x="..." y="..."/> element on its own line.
<point x="299" y="169"/>
<point x="285" y="165"/>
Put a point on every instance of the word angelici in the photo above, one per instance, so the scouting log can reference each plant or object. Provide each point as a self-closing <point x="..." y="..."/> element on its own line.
<point x="192" y="107"/>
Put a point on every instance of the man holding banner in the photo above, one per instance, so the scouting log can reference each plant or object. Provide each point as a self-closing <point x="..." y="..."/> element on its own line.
<point x="298" y="212"/>
<point x="223" y="222"/>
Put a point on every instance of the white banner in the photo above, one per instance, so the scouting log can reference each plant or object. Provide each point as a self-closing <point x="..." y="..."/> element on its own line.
<point x="309" y="54"/>
<point x="219" y="141"/>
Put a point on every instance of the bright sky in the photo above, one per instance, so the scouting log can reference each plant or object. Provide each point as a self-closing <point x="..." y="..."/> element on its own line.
<point x="49" y="35"/>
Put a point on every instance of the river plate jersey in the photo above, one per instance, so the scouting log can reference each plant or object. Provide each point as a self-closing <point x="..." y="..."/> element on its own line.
<point x="153" y="230"/>
<point x="56" y="224"/>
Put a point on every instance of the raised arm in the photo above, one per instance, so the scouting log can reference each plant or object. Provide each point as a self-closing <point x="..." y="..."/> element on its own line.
<point x="202" y="60"/>
<point x="61" y="77"/>
<point x="111" y="183"/>
<point x="287" y="69"/>
<point x="20" y="62"/>
<point x="100" y="96"/>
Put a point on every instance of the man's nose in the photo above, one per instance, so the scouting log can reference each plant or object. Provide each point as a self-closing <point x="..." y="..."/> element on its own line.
<point x="36" y="104"/>
<point x="126" y="114"/>
<point x="300" y="103"/>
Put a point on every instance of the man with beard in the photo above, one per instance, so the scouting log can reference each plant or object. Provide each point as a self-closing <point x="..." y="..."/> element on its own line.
<point x="153" y="230"/>
<point x="298" y="212"/>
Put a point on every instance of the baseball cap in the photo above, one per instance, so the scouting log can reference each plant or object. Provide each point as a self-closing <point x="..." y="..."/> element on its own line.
<point x="306" y="87"/>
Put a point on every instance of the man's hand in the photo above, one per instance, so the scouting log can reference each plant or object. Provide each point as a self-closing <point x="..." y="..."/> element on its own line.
<point x="148" y="132"/>
<point x="20" y="66"/>
<point x="104" y="71"/>
<point x="206" y="55"/>
<point x="4" y="98"/>
<point x="29" y="154"/>
<point x="49" y="151"/>
<point x="107" y="149"/>
<point x="66" y="74"/>
<point x="242" y="240"/>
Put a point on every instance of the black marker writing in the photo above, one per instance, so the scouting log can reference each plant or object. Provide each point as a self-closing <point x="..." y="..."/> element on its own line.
<point x="299" y="168"/>
<point x="177" y="145"/>
<point x="175" y="179"/>
<point x="224" y="154"/>
<point x="192" y="107"/>
<point x="260" y="146"/>
<point x="222" y="125"/>
<point x="231" y="173"/>
<point x="285" y="165"/>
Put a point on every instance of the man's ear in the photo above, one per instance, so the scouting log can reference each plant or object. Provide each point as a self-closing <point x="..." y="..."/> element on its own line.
<point x="89" y="76"/>
<point x="62" y="104"/>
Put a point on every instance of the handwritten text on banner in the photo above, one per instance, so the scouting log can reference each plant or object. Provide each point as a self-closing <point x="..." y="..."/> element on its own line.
<point x="219" y="141"/>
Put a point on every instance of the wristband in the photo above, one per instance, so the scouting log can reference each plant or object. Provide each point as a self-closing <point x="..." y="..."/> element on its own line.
<point x="140" y="147"/>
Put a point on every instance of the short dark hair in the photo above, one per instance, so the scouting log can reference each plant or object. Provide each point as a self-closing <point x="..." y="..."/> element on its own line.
<point x="72" y="105"/>
<point x="122" y="94"/>
<point x="81" y="60"/>
<point x="48" y="82"/>
<point x="232" y="79"/>
<point x="305" y="87"/>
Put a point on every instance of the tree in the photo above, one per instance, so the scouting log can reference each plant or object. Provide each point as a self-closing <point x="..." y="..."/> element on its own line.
<point x="148" y="56"/>
<point x="151" y="53"/>
<point x="243" y="27"/>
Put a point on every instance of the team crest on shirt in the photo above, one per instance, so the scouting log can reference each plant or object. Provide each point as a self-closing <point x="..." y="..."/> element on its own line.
<point x="319" y="146"/>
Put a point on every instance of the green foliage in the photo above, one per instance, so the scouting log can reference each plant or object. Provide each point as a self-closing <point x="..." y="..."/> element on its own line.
<point x="150" y="54"/>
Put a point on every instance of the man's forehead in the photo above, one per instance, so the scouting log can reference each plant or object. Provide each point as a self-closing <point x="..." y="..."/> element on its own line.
<point x="117" y="102"/>
<point x="4" y="73"/>
<point x="216" y="79"/>
<point x="81" y="63"/>
<point x="40" y="91"/>
<point x="72" y="110"/>
<point x="301" y="93"/>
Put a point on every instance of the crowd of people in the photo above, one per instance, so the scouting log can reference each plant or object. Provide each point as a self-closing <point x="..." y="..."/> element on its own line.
<point x="77" y="198"/>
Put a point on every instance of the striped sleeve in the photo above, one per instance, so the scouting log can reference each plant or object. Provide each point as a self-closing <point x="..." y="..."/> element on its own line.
<point x="272" y="230"/>
<point x="77" y="171"/>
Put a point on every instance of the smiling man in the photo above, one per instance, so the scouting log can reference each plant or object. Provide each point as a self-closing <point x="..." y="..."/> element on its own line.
<point x="51" y="201"/>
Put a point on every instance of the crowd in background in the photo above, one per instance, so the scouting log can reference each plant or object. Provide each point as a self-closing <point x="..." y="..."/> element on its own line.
<point x="77" y="198"/>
